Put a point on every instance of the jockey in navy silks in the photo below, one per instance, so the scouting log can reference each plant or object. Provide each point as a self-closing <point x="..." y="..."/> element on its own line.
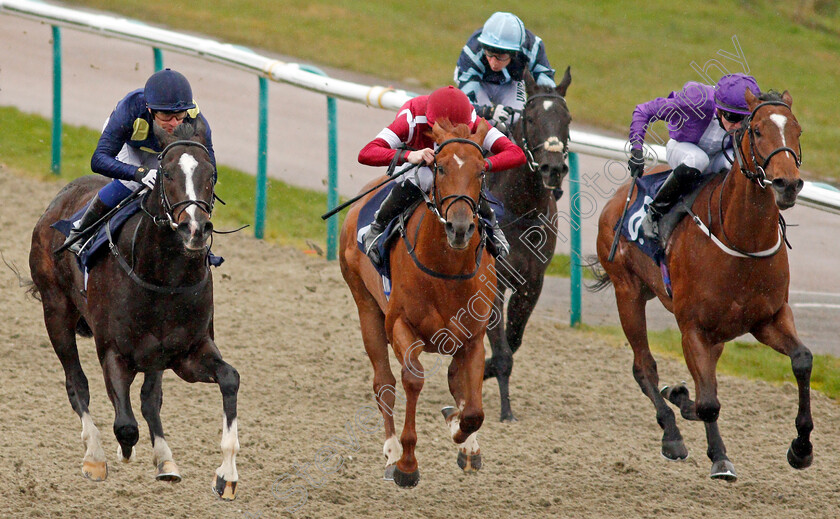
<point x="491" y="66"/>
<point x="128" y="151"/>
<point x="698" y="118"/>
<point x="412" y="128"/>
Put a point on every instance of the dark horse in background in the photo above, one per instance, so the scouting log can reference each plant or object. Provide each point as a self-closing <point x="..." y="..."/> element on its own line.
<point x="437" y="305"/>
<point x="728" y="279"/>
<point x="149" y="306"/>
<point x="530" y="223"/>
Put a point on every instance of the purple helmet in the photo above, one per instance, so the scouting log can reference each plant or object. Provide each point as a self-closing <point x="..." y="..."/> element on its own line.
<point x="730" y="90"/>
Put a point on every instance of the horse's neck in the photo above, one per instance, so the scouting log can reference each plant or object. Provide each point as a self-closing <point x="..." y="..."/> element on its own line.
<point x="158" y="253"/>
<point x="521" y="189"/>
<point x="749" y="213"/>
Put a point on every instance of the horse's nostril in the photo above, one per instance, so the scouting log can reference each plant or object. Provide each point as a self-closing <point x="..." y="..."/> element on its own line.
<point x="779" y="183"/>
<point x="471" y="228"/>
<point x="208" y="228"/>
<point x="799" y="185"/>
<point x="449" y="227"/>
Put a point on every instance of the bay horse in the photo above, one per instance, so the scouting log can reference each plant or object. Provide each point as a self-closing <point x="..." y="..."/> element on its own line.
<point x="436" y="303"/>
<point x="148" y="305"/>
<point x="530" y="223"/>
<point x="729" y="277"/>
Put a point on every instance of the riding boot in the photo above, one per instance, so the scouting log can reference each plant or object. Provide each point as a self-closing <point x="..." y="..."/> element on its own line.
<point x="397" y="201"/>
<point x="497" y="244"/>
<point x="94" y="212"/>
<point x="680" y="181"/>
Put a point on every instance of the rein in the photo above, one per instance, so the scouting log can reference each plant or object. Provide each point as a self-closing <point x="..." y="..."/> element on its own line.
<point x="529" y="154"/>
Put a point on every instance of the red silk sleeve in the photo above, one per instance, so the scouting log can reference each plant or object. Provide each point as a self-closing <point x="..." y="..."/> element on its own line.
<point x="506" y="155"/>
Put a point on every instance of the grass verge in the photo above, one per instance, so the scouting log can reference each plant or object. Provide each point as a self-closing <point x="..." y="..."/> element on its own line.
<point x="744" y="359"/>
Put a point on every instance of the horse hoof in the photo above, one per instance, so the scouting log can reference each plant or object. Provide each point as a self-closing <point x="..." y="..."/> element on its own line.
<point x="799" y="462"/>
<point x="168" y="471"/>
<point x="674" y="450"/>
<point x="469" y="462"/>
<point x="224" y="490"/>
<point x="670" y="393"/>
<point x="448" y="412"/>
<point x="723" y="469"/>
<point x="405" y="480"/>
<point x="389" y="472"/>
<point x="508" y="418"/>
<point x="95" y="470"/>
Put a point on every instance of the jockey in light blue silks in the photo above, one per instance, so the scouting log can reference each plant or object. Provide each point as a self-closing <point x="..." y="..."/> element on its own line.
<point x="492" y="64"/>
<point x="698" y="118"/>
<point x="128" y="150"/>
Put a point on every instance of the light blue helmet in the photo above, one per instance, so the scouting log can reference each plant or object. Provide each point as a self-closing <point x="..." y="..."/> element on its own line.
<point x="503" y="31"/>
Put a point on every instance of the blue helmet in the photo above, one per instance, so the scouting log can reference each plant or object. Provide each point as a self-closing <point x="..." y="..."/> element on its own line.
<point x="730" y="92"/>
<point x="503" y="31"/>
<point x="168" y="91"/>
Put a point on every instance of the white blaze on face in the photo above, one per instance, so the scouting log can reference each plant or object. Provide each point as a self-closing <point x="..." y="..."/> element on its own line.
<point x="781" y="122"/>
<point x="459" y="161"/>
<point x="547" y="104"/>
<point x="230" y="446"/>
<point x="188" y="164"/>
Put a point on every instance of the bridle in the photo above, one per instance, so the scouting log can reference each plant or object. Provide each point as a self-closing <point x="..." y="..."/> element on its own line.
<point x="529" y="153"/>
<point x="435" y="202"/>
<point x="169" y="217"/>
<point x="759" y="176"/>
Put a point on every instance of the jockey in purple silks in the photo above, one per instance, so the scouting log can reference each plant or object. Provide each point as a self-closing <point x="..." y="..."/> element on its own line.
<point x="698" y="118"/>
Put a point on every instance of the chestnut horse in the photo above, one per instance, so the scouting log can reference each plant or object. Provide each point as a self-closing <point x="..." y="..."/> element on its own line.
<point x="436" y="304"/>
<point x="542" y="131"/>
<point x="729" y="277"/>
<point x="148" y="304"/>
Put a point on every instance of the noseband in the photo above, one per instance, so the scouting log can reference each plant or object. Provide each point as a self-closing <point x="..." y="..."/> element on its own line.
<point x="435" y="203"/>
<point x="168" y="208"/>
<point x="529" y="154"/>
<point x="759" y="176"/>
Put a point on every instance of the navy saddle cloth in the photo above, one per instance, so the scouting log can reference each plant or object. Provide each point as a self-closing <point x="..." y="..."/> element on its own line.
<point x="94" y="246"/>
<point x="392" y="231"/>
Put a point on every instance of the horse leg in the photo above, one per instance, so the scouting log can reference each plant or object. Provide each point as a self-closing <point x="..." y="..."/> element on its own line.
<point x="151" y="400"/>
<point x="701" y="357"/>
<point x="780" y="334"/>
<point x="376" y="344"/>
<point x="631" y="311"/>
<point x="118" y="379"/>
<point x="406" y="472"/>
<point x="465" y="381"/>
<point x="205" y="364"/>
<point x="60" y="318"/>
<point x="500" y="364"/>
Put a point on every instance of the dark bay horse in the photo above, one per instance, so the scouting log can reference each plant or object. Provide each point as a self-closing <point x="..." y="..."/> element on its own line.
<point x="726" y="284"/>
<point x="441" y="299"/>
<point x="531" y="219"/>
<point x="149" y="307"/>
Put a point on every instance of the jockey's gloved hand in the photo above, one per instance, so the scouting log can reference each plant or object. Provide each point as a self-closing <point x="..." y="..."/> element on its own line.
<point x="636" y="163"/>
<point x="502" y="114"/>
<point x="146" y="176"/>
<point x="424" y="156"/>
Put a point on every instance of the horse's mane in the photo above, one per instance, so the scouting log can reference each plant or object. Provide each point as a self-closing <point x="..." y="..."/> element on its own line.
<point x="770" y="95"/>
<point x="185" y="131"/>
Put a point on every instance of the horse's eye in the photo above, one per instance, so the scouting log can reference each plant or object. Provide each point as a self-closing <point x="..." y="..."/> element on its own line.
<point x="757" y="132"/>
<point x="439" y="170"/>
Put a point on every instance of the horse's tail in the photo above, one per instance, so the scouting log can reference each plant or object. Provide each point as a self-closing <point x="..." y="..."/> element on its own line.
<point x="602" y="279"/>
<point x="26" y="283"/>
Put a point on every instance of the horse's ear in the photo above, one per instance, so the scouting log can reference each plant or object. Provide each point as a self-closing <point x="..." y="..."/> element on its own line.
<point x="161" y="135"/>
<point x="437" y="130"/>
<point x="752" y="100"/>
<point x="200" y="129"/>
<point x="481" y="130"/>
<point x="530" y="84"/>
<point x="565" y="82"/>
<point x="788" y="100"/>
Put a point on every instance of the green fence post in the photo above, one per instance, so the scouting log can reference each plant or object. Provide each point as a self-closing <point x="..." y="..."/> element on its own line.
<point x="332" y="179"/>
<point x="332" y="168"/>
<point x="158" y="59"/>
<point x="56" y="121"/>
<point x="262" y="156"/>
<point x="574" y="256"/>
